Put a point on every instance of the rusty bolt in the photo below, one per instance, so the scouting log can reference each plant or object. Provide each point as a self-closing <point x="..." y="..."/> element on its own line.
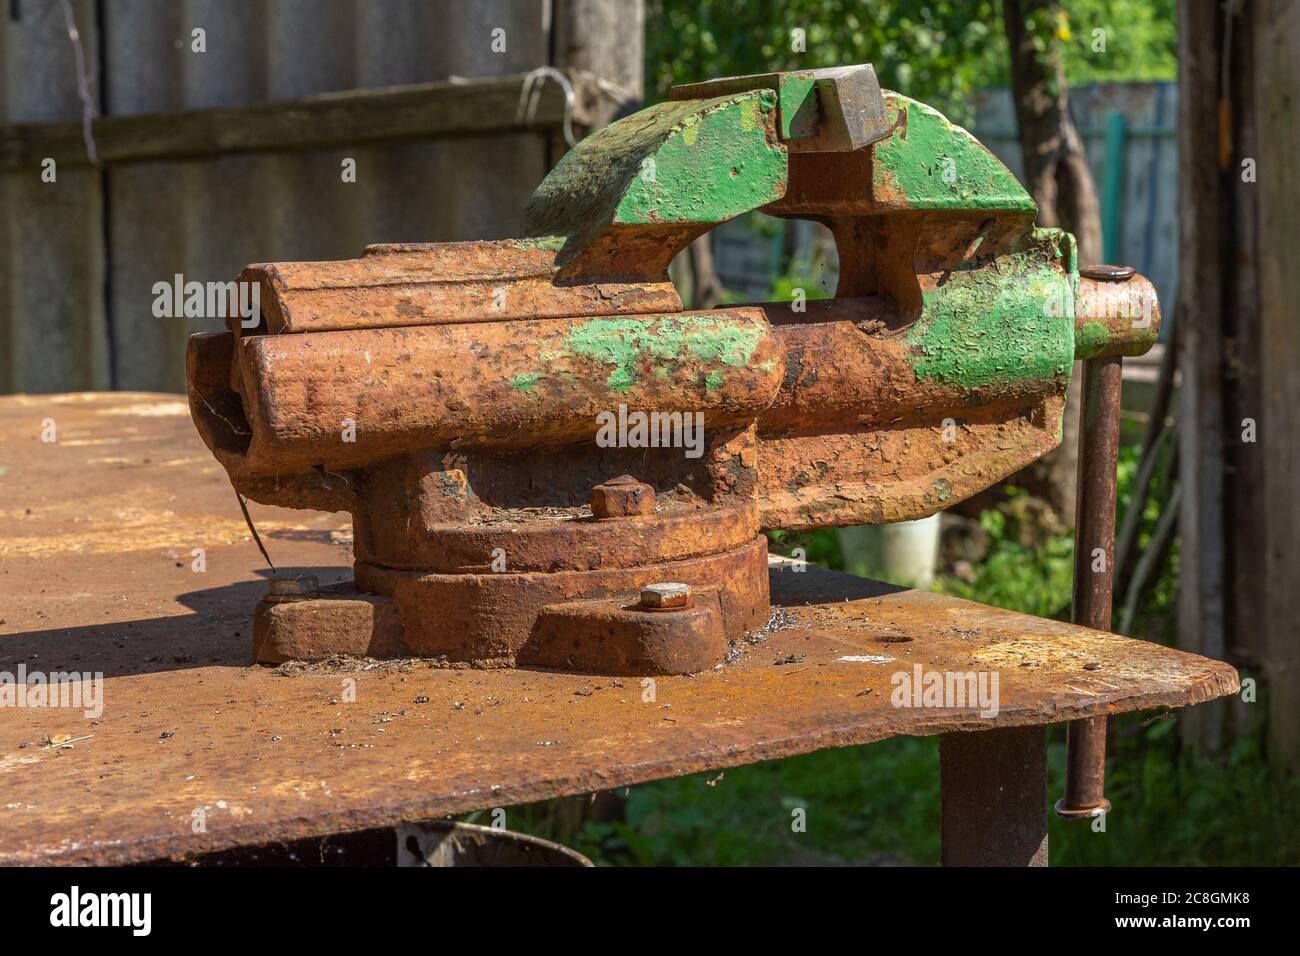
<point x="665" y="597"/>
<point x="1103" y="273"/>
<point x="292" y="587"/>
<point x="621" y="497"/>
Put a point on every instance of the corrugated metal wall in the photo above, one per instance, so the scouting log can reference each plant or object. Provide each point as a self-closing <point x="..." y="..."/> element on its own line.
<point x="52" y="323"/>
<point x="79" y="257"/>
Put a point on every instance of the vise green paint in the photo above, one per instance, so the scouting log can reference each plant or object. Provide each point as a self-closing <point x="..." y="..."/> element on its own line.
<point x="632" y="346"/>
<point x="525" y="381"/>
<point x="547" y="243"/>
<point x="984" y="327"/>
<point x="1093" y="338"/>
<point x="715" y="163"/>
<point x="936" y="164"/>
<point x="680" y="162"/>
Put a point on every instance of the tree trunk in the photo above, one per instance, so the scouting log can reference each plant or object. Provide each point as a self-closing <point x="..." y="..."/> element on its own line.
<point x="1276" y="28"/>
<point x="1058" y="178"/>
<point x="706" y="288"/>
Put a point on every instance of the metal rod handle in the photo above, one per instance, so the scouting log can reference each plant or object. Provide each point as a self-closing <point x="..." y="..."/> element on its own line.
<point x="1094" y="573"/>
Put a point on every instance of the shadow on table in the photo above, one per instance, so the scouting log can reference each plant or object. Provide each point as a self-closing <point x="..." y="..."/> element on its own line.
<point x="219" y="632"/>
<point x="816" y="585"/>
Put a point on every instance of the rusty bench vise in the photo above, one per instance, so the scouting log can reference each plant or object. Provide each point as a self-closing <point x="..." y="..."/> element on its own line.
<point x="458" y="399"/>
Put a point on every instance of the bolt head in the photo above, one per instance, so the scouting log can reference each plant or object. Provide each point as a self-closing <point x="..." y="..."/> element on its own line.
<point x="292" y="587"/>
<point x="670" y="596"/>
<point x="622" y="497"/>
<point x="1105" y="273"/>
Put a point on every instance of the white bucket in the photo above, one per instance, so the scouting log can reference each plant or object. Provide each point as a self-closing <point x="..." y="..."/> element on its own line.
<point x="902" y="553"/>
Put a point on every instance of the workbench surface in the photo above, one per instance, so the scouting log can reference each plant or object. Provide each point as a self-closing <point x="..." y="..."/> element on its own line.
<point x="97" y="538"/>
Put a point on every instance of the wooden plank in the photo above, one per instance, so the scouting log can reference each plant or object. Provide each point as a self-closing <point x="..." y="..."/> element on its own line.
<point x="606" y="38"/>
<point x="488" y="179"/>
<point x="417" y="111"/>
<point x="1277" y="91"/>
<point x="1245" y="521"/>
<point x="1201" y="595"/>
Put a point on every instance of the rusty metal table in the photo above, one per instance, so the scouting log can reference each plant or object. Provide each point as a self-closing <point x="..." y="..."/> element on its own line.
<point x="98" y="531"/>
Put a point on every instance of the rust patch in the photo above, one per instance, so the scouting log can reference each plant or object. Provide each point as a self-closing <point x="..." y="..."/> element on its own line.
<point x="269" y="757"/>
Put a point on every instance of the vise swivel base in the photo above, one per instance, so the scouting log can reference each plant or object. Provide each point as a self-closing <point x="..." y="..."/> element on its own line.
<point x="515" y="425"/>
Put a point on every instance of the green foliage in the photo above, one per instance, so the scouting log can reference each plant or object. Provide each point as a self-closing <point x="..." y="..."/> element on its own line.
<point x="820" y="547"/>
<point x="871" y="805"/>
<point x="1155" y="614"/>
<point x="1034" y="580"/>
<point x="1173" y="808"/>
<point x="936" y="51"/>
<point x="1141" y="41"/>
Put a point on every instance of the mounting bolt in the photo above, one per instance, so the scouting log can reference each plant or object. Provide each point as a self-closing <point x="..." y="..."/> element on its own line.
<point x="665" y="597"/>
<point x="284" y="588"/>
<point x="622" y="497"/>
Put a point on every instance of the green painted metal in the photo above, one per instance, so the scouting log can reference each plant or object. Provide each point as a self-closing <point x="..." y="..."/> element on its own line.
<point x="929" y="162"/>
<point x="797" y="101"/>
<point x="692" y="162"/>
<point x="796" y="97"/>
<point x="1010" y="323"/>
<point x="700" y="162"/>
<point x="629" y="345"/>
<point x="715" y="164"/>
<point x="549" y="243"/>
<point x="1093" y="339"/>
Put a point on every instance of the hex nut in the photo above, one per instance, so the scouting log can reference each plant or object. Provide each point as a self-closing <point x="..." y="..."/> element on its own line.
<point x="622" y="497"/>
<point x="670" y="596"/>
<point x="292" y="587"/>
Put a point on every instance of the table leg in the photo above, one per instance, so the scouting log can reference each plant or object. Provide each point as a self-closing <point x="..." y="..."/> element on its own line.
<point x="993" y="791"/>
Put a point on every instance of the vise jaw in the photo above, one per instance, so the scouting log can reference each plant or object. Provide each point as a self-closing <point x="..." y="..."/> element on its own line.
<point x="527" y="432"/>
